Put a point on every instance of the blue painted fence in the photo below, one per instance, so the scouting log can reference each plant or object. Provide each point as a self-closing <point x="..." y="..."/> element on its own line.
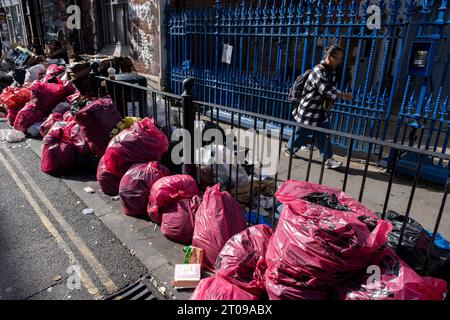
<point x="275" y="41"/>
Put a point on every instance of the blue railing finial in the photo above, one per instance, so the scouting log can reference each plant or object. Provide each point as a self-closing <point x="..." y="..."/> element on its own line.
<point x="258" y="8"/>
<point x="330" y="9"/>
<point x="384" y="96"/>
<point x="444" y="109"/>
<point x="370" y="97"/>
<point x="243" y="10"/>
<point x="353" y="8"/>
<point x="437" y="102"/>
<point x="395" y="7"/>
<point x="365" y="6"/>
<point x="427" y="108"/>
<point x="411" y="103"/>
<point x="409" y="8"/>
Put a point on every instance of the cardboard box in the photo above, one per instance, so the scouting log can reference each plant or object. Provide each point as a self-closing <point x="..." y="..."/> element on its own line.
<point x="187" y="276"/>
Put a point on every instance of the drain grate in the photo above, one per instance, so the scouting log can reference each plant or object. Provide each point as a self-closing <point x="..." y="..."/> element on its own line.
<point x="141" y="290"/>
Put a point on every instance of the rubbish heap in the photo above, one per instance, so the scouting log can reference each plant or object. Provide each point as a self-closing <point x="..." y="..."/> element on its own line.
<point x="324" y="247"/>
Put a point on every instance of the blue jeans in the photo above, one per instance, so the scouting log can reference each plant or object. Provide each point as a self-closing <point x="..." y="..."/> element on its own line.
<point x="320" y="140"/>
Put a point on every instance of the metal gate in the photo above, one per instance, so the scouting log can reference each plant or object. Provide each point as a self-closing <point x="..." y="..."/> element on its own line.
<point x="272" y="42"/>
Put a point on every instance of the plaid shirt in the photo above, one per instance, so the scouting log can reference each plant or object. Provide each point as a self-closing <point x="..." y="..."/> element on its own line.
<point x="320" y="85"/>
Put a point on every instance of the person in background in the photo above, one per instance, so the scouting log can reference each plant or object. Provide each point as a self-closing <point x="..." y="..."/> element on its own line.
<point x="56" y="50"/>
<point x="318" y="97"/>
<point x="37" y="47"/>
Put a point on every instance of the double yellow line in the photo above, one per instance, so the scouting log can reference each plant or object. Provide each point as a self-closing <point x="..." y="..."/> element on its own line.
<point x="75" y="240"/>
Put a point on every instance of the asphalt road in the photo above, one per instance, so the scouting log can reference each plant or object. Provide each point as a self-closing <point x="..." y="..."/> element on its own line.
<point x="47" y="245"/>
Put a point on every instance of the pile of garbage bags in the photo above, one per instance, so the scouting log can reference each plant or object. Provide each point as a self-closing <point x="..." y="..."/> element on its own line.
<point x="327" y="246"/>
<point x="28" y="106"/>
<point x="78" y="137"/>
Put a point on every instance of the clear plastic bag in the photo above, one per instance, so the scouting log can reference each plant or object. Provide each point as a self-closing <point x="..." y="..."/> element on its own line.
<point x="221" y="156"/>
<point x="11" y="136"/>
<point x="165" y="115"/>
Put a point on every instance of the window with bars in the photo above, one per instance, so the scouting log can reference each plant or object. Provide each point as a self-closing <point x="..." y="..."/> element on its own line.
<point x="115" y="22"/>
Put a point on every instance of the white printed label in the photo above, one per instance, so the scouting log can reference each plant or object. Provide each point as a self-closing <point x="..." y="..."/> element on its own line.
<point x="227" y="53"/>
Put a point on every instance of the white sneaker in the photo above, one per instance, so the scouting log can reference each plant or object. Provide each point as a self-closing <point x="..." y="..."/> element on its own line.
<point x="288" y="153"/>
<point x="333" y="164"/>
<point x="308" y="147"/>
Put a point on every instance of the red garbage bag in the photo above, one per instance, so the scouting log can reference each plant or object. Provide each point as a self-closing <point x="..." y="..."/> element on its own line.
<point x="217" y="288"/>
<point x="178" y="220"/>
<point x="315" y="247"/>
<point x="397" y="282"/>
<point x="109" y="183"/>
<point x="53" y="71"/>
<point x="45" y="96"/>
<point x="97" y="121"/>
<point x="76" y="136"/>
<point x="28" y="116"/>
<point x="12" y="115"/>
<point x="142" y="142"/>
<point x="58" y="155"/>
<point x="242" y="260"/>
<point x="48" y="124"/>
<point x="170" y="190"/>
<point x="73" y="97"/>
<point x="68" y="117"/>
<point x="135" y="187"/>
<point x="15" y="100"/>
<point x="219" y="218"/>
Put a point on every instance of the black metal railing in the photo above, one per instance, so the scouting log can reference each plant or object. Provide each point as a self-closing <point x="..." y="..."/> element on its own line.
<point x="186" y="110"/>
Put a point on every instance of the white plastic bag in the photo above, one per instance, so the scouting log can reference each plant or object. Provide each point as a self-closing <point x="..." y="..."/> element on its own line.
<point x="221" y="156"/>
<point x="11" y="136"/>
<point x="165" y="114"/>
<point x="35" y="73"/>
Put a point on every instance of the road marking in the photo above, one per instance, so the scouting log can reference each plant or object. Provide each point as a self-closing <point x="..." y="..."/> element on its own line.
<point x="76" y="240"/>
<point x="87" y="281"/>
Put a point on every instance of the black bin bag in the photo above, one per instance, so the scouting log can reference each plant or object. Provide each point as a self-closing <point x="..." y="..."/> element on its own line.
<point x="414" y="248"/>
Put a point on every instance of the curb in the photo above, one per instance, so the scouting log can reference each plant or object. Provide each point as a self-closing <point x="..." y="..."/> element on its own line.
<point x="141" y="237"/>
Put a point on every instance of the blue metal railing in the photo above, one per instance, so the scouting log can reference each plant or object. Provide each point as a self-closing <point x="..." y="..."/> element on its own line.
<point x="275" y="41"/>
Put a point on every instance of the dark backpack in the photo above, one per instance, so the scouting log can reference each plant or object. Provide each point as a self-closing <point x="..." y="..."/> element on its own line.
<point x="296" y="92"/>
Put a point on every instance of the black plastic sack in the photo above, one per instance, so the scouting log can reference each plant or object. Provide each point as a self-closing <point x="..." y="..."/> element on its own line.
<point x="327" y="200"/>
<point x="414" y="248"/>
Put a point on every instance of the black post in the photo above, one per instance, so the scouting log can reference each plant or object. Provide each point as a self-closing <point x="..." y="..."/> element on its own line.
<point x="188" y="125"/>
<point x="95" y="72"/>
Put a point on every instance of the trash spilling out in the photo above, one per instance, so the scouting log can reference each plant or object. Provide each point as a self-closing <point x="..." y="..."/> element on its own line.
<point x="89" y="190"/>
<point x="251" y="237"/>
<point x="88" y="211"/>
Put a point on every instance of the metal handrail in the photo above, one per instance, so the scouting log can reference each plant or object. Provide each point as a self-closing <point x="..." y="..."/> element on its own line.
<point x="287" y="123"/>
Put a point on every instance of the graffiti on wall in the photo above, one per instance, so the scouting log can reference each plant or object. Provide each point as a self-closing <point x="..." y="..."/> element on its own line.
<point x="144" y="20"/>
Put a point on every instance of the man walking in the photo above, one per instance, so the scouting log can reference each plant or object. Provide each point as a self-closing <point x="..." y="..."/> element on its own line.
<point x="318" y="96"/>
